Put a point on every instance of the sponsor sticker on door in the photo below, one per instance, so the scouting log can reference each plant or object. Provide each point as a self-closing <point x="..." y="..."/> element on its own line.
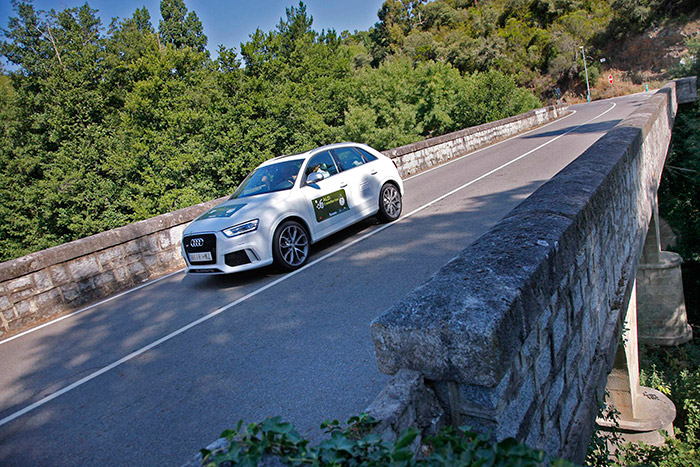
<point x="330" y="205"/>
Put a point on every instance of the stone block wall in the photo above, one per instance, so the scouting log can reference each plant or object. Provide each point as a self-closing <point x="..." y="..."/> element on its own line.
<point x="518" y="333"/>
<point x="406" y="402"/>
<point x="40" y="285"/>
<point x="43" y="284"/>
<point x="416" y="157"/>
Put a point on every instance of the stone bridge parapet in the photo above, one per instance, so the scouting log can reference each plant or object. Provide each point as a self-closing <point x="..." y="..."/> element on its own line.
<point x="518" y="333"/>
<point x="44" y="284"/>
<point x="422" y="155"/>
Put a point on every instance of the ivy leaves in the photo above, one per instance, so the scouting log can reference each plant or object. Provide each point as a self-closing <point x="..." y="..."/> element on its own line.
<point x="356" y="445"/>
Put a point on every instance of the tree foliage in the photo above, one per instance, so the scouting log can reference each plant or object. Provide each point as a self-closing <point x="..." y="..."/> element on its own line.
<point x="109" y="124"/>
<point x="680" y="188"/>
<point x="680" y="184"/>
<point x="536" y="41"/>
<point x="180" y="28"/>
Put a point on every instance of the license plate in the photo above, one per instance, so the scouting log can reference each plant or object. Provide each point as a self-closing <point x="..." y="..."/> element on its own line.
<point x="205" y="256"/>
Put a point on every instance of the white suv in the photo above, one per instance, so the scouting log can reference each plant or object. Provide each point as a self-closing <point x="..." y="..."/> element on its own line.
<point x="290" y="202"/>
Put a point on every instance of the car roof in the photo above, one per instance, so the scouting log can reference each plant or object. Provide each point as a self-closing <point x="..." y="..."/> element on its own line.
<point x="309" y="153"/>
<point x="290" y="157"/>
<point x="335" y="145"/>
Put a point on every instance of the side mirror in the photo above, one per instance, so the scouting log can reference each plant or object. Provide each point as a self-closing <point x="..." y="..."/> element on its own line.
<point x="314" y="177"/>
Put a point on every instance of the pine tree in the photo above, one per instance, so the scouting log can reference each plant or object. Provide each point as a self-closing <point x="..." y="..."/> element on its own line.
<point x="180" y="28"/>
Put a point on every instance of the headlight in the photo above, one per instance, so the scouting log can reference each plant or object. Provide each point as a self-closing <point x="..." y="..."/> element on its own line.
<point x="240" y="229"/>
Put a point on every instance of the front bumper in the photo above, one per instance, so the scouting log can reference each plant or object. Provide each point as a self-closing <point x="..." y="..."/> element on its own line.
<point x="226" y="255"/>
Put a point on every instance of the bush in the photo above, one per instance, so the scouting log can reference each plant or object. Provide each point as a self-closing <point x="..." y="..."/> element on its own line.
<point x="356" y="445"/>
<point x="401" y="103"/>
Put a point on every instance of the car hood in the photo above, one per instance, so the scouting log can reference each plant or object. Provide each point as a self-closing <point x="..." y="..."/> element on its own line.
<point x="235" y="211"/>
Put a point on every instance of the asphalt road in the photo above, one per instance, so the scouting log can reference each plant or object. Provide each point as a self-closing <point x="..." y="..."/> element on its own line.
<point x="153" y="375"/>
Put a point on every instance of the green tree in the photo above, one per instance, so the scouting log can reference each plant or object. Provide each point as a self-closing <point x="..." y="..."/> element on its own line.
<point x="382" y="111"/>
<point x="421" y="46"/>
<point x="162" y="152"/>
<point x="440" y="13"/>
<point x="680" y="184"/>
<point x="55" y="136"/>
<point x="492" y="96"/>
<point x="100" y="131"/>
<point x="296" y="83"/>
<point x="180" y="28"/>
<point x="400" y="103"/>
<point x="396" y="19"/>
<point x="104" y="129"/>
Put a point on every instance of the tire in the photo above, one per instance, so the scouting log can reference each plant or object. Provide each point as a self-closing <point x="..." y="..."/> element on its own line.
<point x="290" y="246"/>
<point x="390" y="203"/>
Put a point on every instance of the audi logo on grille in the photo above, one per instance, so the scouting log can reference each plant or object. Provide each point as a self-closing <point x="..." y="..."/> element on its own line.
<point x="197" y="242"/>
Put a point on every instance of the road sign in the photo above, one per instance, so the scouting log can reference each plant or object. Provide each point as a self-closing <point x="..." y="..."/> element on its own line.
<point x="612" y="91"/>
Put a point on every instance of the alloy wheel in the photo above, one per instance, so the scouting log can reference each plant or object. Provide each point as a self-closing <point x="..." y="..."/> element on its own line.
<point x="293" y="245"/>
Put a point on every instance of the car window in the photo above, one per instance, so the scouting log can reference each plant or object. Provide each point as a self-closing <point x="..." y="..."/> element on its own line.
<point x="322" y="162"/>
<point x="348" y="158"/>
<point x="269" y="178"/>
<point x="367" y="156"/>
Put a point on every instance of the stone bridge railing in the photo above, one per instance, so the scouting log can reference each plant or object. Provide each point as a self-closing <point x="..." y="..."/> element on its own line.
<point x="517" y="335"/>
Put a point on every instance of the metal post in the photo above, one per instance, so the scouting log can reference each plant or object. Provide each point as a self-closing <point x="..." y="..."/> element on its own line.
<point x="585" y="67"/>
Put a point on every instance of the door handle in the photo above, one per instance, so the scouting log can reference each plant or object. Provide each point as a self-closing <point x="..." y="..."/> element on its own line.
<point x="374" y="172"/>
<point x="343" y="185"/>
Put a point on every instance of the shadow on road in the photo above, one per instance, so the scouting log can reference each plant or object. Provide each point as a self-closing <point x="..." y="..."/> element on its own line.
<point x="598" y="127"/>
<point x="301" y="349"/>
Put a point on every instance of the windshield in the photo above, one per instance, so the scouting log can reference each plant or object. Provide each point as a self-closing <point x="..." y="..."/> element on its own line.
<point x="269" y="178"/>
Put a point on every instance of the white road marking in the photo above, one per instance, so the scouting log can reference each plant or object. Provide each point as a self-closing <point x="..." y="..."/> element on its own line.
<point x="217" y="312"/>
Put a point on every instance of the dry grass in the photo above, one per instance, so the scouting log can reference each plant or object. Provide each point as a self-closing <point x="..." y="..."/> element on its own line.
<point x="624" y="83"/>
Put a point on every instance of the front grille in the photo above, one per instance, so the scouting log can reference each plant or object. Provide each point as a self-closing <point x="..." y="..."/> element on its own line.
<point x="236" y="258"/>
<point x="199" y="244"/>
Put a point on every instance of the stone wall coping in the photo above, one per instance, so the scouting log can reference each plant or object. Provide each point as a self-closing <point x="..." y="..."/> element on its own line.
<point x="61" y="253"/>
<point x="428" y="143"/>
<point x="454" y="327"/>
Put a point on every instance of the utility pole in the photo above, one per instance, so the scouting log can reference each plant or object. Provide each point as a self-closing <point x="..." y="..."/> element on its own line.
<point x="585" y="67"/>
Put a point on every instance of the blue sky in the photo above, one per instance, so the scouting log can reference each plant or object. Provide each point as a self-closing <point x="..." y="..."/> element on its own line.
<point x="229" y="22"/>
